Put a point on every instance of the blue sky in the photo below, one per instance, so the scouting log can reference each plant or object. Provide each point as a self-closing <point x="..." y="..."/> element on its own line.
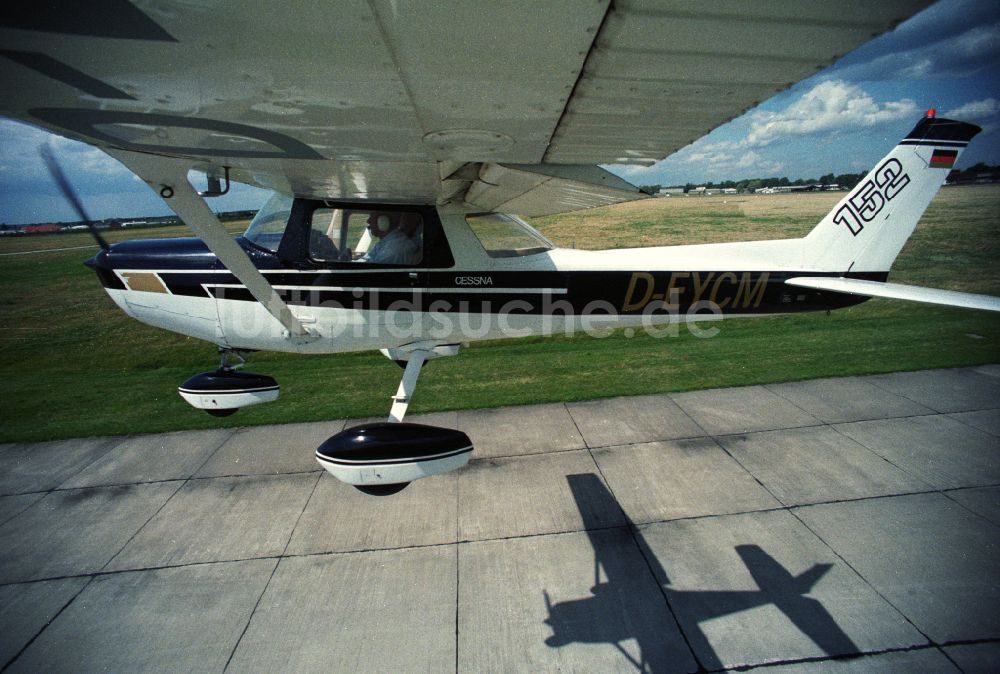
<point x="841" y="120"/>
<point x="106" y="188"/>
<point x="845" y="118"/>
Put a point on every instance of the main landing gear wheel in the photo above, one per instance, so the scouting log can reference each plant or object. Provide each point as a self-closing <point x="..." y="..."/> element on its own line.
<point x="381" y="489"/>
<point x="380" y="459"/>
<point x="223" y="412"/>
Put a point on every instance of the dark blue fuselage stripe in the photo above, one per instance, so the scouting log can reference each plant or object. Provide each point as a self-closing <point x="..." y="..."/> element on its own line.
<point x="936" y="143"/>
<point x="629" y="293"/>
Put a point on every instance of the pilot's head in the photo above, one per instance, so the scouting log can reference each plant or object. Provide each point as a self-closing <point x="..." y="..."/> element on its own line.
<point x="381" y="223"/>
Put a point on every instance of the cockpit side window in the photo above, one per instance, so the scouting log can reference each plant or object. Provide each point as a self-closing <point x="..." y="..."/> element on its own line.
<point x="503" y="235"/>
<point x="366" y="236"/>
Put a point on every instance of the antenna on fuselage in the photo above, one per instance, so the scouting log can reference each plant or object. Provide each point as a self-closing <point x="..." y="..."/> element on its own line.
<point x="67" y="190"/>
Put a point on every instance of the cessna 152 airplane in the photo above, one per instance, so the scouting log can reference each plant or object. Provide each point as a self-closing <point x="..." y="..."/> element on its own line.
<point x="427" y="126"/>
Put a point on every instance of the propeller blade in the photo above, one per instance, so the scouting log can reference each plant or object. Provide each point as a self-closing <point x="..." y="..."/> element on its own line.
<point x="67" y="190"/>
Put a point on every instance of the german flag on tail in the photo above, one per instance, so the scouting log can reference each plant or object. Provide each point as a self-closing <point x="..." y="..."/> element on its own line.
<point x="943" y="158"/>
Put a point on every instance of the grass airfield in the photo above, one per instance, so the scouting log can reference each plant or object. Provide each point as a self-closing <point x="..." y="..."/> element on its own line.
<point x="73" y="365"/>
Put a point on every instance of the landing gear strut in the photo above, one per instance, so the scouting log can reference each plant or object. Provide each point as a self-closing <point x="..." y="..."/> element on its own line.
<point x="226" y="366"/>
<point x="414" y="359"/>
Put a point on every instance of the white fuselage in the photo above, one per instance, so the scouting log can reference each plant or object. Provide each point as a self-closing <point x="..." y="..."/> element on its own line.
<point x="473" y="300"/>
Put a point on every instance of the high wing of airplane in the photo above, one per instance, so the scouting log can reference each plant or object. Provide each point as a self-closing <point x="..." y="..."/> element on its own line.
<point x="401" y="139"/>
<point x="507" y="104"/>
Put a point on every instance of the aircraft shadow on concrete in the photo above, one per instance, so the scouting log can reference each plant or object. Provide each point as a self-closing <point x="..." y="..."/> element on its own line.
<point x="604" y="617"/>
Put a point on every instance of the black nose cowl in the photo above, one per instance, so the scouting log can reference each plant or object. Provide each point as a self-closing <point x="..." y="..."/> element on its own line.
<point x="99" y="261"/>
<point x="102" y="265"/>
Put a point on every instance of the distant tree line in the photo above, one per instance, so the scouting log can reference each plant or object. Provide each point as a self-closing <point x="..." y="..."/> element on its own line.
<point x="978" y="173"/>
<point x="120" y="223"/>
<point x="844" y="180"/>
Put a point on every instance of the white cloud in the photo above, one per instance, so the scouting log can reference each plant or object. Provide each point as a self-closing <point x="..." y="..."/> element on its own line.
<point x="19" y="158"/>
<point x="974" y="110"/>
<point x="760" y="165"/>
<point x="917" y="70"/>
<point x="708" y="153"/>
<point x="954" y="55"/>
<point x="805" y="138"/>
<point x="627" y="170"/>
<point x="77" y="156"/>
<point x="21" y="162"/>
<point x="977" y="42"/>
<point x="829" y="107"/>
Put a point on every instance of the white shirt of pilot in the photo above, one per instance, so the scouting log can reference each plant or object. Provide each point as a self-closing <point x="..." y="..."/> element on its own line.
<point x="394" y="248"/>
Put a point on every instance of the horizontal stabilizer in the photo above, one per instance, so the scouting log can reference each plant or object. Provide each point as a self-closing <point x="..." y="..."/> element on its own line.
<point x="898" y="291"/>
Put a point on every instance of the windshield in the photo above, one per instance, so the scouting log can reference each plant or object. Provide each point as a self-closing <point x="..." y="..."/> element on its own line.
<point x="504" y="235"/>
<point x="268" y="226"/>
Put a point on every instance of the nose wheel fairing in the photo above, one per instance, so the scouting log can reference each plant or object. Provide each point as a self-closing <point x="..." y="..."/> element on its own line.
<point x="224" y="391"/>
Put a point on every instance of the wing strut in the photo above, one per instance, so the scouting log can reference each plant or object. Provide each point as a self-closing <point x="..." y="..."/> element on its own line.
<point x="168" y="177"/>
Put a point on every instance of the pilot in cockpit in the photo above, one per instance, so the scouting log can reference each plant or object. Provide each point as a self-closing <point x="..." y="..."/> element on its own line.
<point x="400" y="238"/>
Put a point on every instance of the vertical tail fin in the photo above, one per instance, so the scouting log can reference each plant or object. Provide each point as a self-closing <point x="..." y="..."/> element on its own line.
<point x="866" y="230"/>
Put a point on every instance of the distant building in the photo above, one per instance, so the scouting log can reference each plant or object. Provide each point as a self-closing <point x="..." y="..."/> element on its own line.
<point x="42" y="229"/>
<point x="702" y="191"/>
<point x="670" y="192"/>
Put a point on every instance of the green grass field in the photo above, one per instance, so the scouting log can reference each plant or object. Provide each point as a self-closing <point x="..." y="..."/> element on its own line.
<point x="74" y="365"/>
